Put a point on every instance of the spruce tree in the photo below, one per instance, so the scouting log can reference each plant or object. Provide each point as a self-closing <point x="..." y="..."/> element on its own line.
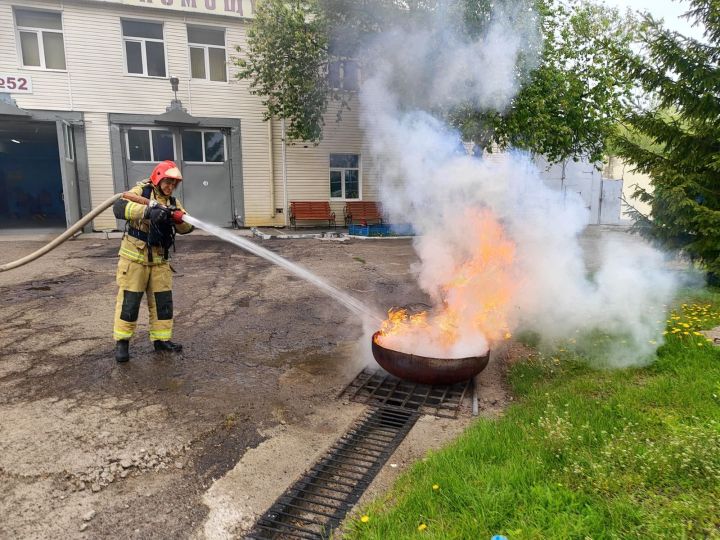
<point x="681" y="78"/>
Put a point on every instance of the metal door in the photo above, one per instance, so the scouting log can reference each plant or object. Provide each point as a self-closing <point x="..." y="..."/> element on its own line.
<point x="68" y="171"/>
<point x="611" y="200"/>
<point x="143" y="147"/>
<point x="206" y="186"/>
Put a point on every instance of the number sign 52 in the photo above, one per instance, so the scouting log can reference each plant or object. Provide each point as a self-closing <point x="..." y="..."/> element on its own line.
<point x="15" y="83"/>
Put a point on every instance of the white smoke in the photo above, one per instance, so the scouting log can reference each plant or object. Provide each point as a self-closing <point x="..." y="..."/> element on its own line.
<point x="426" y="181"/>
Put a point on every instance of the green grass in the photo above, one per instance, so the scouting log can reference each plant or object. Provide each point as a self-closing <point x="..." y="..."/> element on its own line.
<point x="584" y="453"/>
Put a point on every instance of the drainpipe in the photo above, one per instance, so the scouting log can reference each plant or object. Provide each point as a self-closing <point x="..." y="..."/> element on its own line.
<point x="284" y="172"/>
<point x="272" y="169"/>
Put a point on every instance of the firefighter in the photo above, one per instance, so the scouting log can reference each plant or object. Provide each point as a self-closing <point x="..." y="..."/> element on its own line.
<point x="153" y="217"/>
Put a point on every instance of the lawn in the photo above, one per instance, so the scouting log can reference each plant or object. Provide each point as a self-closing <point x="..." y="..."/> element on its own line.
<point x="584" y="453"/>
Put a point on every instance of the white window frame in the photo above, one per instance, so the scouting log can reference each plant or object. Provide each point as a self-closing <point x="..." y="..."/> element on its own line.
<point x="143" y="49"/>
<point x="206" y="54"/>
<point x="152" y="152"/>
<point x="38" y="35"/>
<point x="202" y="138"/>
<point x="342" y="171"/>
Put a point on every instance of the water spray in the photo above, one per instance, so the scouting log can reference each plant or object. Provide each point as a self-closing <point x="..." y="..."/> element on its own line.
<point x="353" y="304"/>
<point x="350" y="302"/>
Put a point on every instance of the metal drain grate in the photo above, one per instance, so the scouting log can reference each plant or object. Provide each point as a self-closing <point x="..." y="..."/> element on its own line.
<point x="382" y="389"/>
<point x="316" y="503"/>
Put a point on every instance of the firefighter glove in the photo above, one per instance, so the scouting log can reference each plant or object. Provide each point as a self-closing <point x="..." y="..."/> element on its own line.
<point x="177" y="216"/>
<point x="157" y="214"/>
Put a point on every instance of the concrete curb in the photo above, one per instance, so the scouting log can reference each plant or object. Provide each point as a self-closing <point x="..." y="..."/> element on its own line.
<point x="359" y="237"/>
<point x="336" y="236"/>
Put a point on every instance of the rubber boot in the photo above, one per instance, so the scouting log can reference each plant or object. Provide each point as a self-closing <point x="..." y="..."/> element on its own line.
<point x="122" y="352"/>
<point x="167" y="346"/>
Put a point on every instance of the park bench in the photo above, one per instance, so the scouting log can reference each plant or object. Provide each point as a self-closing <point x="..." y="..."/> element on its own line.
<point x="362" y="212"/>
<point x="311" y="210"/>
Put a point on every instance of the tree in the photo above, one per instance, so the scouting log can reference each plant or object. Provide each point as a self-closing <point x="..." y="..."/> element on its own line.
<point x="681" y="76"/>
<point x="292" y="45"/>
<point x="572" y="101"/>
<point x="286" y="63"/>
<point x="566" y="106"/>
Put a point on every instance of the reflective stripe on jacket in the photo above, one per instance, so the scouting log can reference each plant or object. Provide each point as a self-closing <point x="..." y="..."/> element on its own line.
<point x="135" y="249"/>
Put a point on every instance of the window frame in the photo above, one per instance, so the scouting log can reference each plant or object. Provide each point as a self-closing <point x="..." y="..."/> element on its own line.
<point x="206" y="53"/>
<point x="341" y="75"/>
<point x="38" y="36"/>
<point x="202" y="138"/>
<point x="143" y="48"/>
<point x="152" y="152"/>
<point x="342" y="180"/>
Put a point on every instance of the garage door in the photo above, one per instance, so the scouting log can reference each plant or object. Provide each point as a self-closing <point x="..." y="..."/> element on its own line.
<point x="31" y="176"/>
<point x="203" y="157"/>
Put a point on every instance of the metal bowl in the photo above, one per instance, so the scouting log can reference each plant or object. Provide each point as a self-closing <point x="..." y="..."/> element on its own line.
<point x="425" y="370"/>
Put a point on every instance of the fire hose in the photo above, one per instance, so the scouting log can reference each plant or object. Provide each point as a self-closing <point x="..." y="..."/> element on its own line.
<point x="73" y="230"/>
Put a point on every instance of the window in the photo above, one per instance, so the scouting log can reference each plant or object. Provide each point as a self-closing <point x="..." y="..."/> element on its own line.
<point x="203" y="146"/>
<point x="344" y="176"/>
<point x="207" y="53"/>
<point x="344" y="75"/>
<point x="144" y="48"/>
<point x="40" y="36"/>
<point x="146" y="144"/>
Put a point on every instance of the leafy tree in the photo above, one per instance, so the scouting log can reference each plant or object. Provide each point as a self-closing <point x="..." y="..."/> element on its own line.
<point x="681" y="75"/>
<point x="291" y="45"/>
<point x="286" y="64"/>
<point x="565" y="109"/>
<point x="573" y="100"/>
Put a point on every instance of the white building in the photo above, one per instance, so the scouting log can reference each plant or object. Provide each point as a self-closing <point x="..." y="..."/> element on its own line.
<point x="85" y="112"/>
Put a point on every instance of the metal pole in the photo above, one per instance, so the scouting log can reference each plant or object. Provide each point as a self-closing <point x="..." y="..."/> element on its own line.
<point x="271" y="164"/>
<point x="286" y="210"/>
<point x="475" y="396"/>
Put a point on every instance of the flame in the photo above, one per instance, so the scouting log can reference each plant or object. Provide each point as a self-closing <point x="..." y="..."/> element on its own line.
<point x="474" y="304"/>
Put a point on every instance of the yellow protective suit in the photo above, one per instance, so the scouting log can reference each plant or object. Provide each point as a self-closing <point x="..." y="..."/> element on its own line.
<point x="143" y="269"/>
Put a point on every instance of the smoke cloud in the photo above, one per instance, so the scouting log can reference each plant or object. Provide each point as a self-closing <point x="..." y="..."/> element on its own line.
<point x="456" y="202"/>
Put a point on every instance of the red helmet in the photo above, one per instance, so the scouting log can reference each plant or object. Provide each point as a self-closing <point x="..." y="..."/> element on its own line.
<point x="165" y="169"/>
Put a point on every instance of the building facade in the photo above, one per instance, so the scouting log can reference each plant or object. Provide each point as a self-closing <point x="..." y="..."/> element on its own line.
<point x="88" y="106"/>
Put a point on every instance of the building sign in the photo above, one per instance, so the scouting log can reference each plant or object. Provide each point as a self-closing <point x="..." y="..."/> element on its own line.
<point x="15" y="83"/>
<point x="232" y="8"/>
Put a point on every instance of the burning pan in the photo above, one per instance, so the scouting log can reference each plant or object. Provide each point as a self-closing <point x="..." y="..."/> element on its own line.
<point x="424" y="370"/>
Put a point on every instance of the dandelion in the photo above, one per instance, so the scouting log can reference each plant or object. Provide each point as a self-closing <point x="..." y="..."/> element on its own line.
<point x="365" y="518"/>
<point x="436" y="487"/>
<point x="422" y="527"/>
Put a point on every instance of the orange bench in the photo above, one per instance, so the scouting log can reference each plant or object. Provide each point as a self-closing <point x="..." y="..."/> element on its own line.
<point x="311" y="210"/>
<point x="362" y="212"/>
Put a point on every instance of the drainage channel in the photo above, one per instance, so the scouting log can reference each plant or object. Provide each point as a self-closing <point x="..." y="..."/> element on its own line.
<point x="379" y="388"/>
<point x="314" y="505"/>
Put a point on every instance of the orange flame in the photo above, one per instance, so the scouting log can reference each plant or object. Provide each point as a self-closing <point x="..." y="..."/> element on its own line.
<point x="475" y="301"/>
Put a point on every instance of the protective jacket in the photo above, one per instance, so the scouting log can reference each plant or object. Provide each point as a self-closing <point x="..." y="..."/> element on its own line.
<point x="143" y="266"/>
<point x="135" y="245"/>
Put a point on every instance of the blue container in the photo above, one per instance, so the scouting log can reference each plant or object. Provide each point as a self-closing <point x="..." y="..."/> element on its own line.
<point x="358" y="230"/>
<point x="379" y="230"/>
<point x="402" y="229"/>
<point x="369" y="230"/>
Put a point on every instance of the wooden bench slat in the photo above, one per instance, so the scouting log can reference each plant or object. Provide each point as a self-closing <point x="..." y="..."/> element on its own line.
<point x="311" y="210"/>
<point x="362" y="211"/>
